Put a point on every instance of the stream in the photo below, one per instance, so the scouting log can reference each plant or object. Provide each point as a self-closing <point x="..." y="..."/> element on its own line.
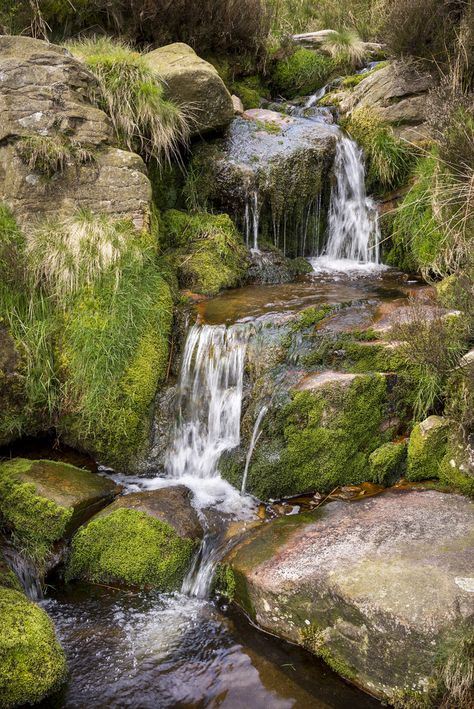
<point x="187" y="649"/>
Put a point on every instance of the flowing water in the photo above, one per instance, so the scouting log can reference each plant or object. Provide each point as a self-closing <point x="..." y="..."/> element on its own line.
<point x="353" y="226"/>
<point x="253" y="443"/>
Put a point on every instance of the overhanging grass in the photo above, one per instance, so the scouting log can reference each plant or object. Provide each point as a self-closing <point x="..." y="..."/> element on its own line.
<point x="133" y="96"/>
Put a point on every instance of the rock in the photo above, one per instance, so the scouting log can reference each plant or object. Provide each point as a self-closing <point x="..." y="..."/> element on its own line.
<point x="316" y="40"/>
<point x="426" y="448"/>
<point x="398" y="94"/>
<point x="43" y="502"/>
<point x="381" y="589"/>
<point x="43" y="92"/>
<point x="143" y="540"/>
<point x="387" y="462"/>
<point x="456" y="469"/>
<point x="238" y="105"/>
<point x="172" y="505"/>
<point x="194" y="84"/>
<point x="273" y="267"/>
<point x="114" y="183"/>
<point x="43" y="95"/>
<point x="32" y="662"/>
<point x="267" y="172"/>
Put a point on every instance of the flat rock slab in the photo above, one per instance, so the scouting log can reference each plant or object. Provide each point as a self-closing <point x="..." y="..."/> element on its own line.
<point x="380" y="583"/>
<point x="170" y="504"/>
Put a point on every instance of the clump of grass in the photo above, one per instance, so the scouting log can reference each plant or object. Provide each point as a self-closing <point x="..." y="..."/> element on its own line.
<point x="74" y="252"/>
<point x="389" y="159"/>
<point x="133" y="96"/>
<point x="456" y="663"/>
<point x="303" y="72"/>
<point x="51" y="154"/>
<point x="346" y="48"/>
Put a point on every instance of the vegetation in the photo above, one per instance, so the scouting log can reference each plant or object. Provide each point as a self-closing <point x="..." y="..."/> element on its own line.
<point x="133" y="96"/>
<point x="302" y="73"/>
<point x="346" y="48"/>
<point x="50" y="155"/>
<point x="130" y="548"/>
<point x="389" y="159"/>
<point x="426" y="448"/>
<point x="32" y="663"/>
<point x="207" y="250"/>
<point x="387" y="463"/>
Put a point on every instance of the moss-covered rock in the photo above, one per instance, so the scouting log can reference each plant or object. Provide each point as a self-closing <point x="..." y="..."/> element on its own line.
<point x="250" y="90"/>
<point x="302" y="73"/>
<point x="208" y="251"/>
<point x="427" y="448"/>
<point x="456" y="469"/>
<point x="145" y="541"/>
<point x="387" y="462"/>
<point x="44" y="502"/>
<point x="32" y="663"/>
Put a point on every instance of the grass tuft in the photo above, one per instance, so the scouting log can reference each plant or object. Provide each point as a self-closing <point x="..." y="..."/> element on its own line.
<point x="346" y="48"/>
<point x="133" y="96"/>
<point x="50" y="155"/>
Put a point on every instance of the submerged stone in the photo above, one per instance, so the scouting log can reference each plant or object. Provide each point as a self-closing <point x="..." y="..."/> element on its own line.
<point x="32" y="663"/>
<point x="378" y="588"/>
<point x="142" y="540"/>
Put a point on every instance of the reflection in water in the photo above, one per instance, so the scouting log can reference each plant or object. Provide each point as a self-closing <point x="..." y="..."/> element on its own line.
<point x="150" y="651"/>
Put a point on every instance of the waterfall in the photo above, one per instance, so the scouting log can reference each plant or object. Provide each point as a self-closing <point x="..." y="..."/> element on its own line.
<point x="210" y="400"/>
<point x="253" y="443"/>
<point x="25" y="570"/>
<point x="252" y="220"/>
<point x="353" y="226"/>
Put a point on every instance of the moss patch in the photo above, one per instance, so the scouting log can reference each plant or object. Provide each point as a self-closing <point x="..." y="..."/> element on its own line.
<point x="387" y="463"/>
<point x="314" y="640"/>
<point x="32" y="663"/>
<point x="207" y="250"/>
<point x="131" y="548"/>
<point x="301" y="73"/>
<point x="427" y="448"/>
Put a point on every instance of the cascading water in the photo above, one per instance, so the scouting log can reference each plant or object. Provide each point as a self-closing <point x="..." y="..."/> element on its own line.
<point x="353" y="228"/>
<point x="252" y="220"/>
<point x="253" y="443"/>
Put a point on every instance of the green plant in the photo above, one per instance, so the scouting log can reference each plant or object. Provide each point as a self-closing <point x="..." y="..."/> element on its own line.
<point x="456" y="664"/>
<point x="346" y="48"/>
<point x="66" y="254"/>
<point x="133" y="96"/>
<point x="303" y="72"/>
<point x="50" y="155"/>
<point x="130" y="547"/>
<point x="389" y="159"/>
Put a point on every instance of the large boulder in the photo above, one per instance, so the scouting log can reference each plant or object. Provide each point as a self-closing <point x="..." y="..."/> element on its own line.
<point x="194" y="84"/>
<point x="44" y="112"/>
<point x="271" y="173"/>
<point x="398" y="93"/>
<point x="43" y="502"/>
<point x="142" y="540"/>
<point x="32" y="662"/>
<point x="381" y="589"/>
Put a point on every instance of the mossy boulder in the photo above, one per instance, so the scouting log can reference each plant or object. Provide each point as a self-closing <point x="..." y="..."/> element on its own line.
<point x="320" y="439"/>
<point x="387" y="462"/>
<point x="456" y="469"/>
<point x="208" y="251"/>
<point x="427" y="448"/>
<point x="195" y="84"/>
<point x="143" y="540"/>
<point x="377" y="588"/>
<point x="43" y="502"/>
<point x="32" y="663"/>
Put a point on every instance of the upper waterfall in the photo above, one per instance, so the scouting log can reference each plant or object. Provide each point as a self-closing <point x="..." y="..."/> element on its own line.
<point x="353" y="226"/>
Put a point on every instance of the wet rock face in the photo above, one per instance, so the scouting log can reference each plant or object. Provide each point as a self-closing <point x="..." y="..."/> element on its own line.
<point x="43" y="97"/>
<point x="398" y="93"/>
<point x="195" y="84"/>
<point x="272" y="174"/>
<point x="377" y="588"/>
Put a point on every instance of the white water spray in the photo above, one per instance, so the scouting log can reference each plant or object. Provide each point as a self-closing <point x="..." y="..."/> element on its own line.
<point x="353" y="229"/>
<point x="252" y="220"/>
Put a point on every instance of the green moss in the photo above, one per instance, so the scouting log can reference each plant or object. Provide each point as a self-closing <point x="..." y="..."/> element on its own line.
<point x="32" y="663"/>
<point x="389" y="159"/>
<point x="320" y="440"/>
<point x="454" y="469"/>
<point x="224" y="581"/>
<point x="301" y="73"/>
<point x="250" y="90"/>
<point x="349" y="82"/>
<point x="207" y="250"/>
<point x="310" y="317"/>
<point x="427" y="448"/>
<point x="386" y="463"/>
<point x="8" y="579"/>
<point x="410" y="699"/>
<point x="35" y="522"/>
<point x="131" y="548"/>
<point x="314" y="640"/>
